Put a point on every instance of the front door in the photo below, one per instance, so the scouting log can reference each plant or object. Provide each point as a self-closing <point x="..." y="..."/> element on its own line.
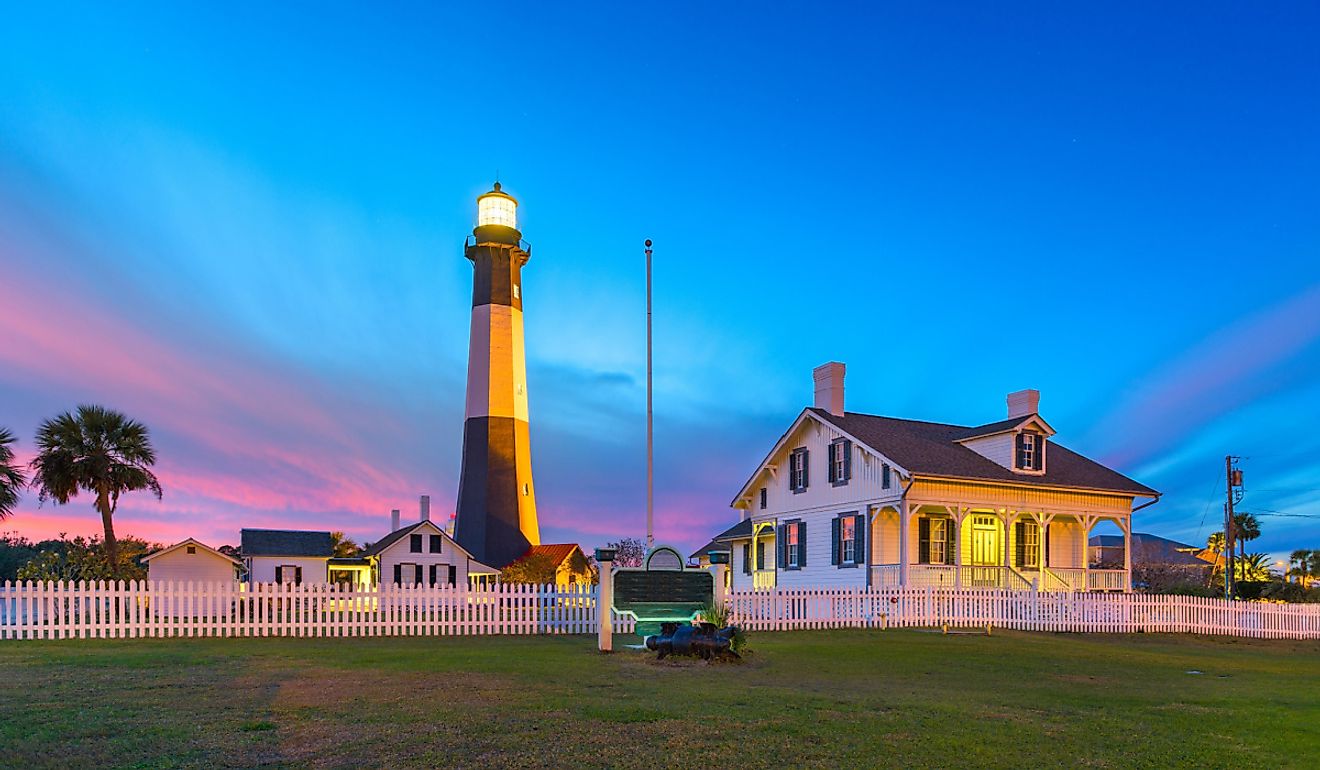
<point x="985" y="541"/>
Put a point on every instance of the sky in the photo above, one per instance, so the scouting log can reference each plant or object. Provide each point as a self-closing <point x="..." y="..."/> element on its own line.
<point x="243" y="226"/>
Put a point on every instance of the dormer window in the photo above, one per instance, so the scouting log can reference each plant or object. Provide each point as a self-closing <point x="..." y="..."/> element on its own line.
<point x="1030" y="455"/>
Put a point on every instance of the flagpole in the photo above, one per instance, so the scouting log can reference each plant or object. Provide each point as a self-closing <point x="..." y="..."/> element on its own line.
<point x="650" y="447"/>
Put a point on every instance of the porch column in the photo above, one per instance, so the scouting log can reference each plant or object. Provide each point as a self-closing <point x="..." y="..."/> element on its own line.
<point x="1126" y="524"/>
<point x="904" y="524"/>
<point x="959" y="513"/>
<point x="1008" y="517"/>
<point x="1087" y="520"/>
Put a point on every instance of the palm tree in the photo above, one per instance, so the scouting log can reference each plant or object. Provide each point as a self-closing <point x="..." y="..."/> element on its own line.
<point x="341" y="546"/>
<point x="1301" y="565"/>
<point x="1247" y="528"/>
<point x="1253" y="567"/>
<point x="11" y="478"/>
<point x="99" y="451"/>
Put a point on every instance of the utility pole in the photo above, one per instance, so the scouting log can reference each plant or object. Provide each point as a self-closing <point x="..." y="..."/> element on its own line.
<point x="650" y="446"/>
<point x="1232" y="495"/>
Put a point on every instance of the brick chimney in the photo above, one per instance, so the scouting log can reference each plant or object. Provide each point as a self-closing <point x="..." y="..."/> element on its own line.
<point x="425" y="505"/>
<point x="1023" y="403"/>
<point x="394" y="520"/>
<point x="829" y="387"/>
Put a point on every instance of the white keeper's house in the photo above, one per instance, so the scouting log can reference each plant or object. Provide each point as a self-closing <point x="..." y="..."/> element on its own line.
<point x="850" y="499"/>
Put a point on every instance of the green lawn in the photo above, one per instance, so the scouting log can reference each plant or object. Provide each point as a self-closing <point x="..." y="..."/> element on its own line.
<point x="833" y="699"/>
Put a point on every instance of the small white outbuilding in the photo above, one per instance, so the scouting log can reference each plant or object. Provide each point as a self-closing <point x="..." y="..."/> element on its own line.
<point x="192" y="560"/>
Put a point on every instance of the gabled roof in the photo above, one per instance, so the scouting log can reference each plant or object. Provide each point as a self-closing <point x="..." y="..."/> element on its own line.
<point x="286" y="542"/>
<point x="385" y="542"/>
<point x="705" y="550"/>
<point x="720" y="542"/>
<point x="557" y="552"/>
<point x="932" y="449"/>
<point x="190" y="541"/>
<point x="1003" y="426"/>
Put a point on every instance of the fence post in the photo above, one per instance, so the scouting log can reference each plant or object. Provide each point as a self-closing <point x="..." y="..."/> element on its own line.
<point x="605" y="600"/>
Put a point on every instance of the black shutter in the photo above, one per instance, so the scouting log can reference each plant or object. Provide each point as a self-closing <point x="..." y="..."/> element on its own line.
<point x="1020" y="547"/>
<point x="923" y="540"/>
<point x="831" y="452"/>
<point x="417" y="574"/>
<point x="802" y="543"/>
<point x="760" y="555"/>
<point x="1038" y="459"/>
<point x="859" y="532"/>
<point x="432" y="575"/>
<point x="949" y="541"/>
<point x="297" y="576"/>
<point x="806" y="466"/>
<point x="1020" y="444"/>
<point x="834" y="541"/>
<point x="1047" y="547"/>
<point x="453" y="575"/>
<point x="398" y="574"/>
<point x="747" y="558"/>
<point x="847" y="460"/>
<point x="781" y="539"/>
<point x="279" y="574"/>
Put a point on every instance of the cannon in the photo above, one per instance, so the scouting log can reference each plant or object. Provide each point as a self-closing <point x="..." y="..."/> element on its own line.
<point x="703" y="640"/>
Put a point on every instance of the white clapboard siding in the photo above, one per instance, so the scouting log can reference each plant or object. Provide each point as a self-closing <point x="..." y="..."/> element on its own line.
<point x="82" y="610"/>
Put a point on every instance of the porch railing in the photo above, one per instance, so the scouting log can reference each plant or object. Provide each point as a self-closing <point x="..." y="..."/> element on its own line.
<point x="763" y="579"/>
<point x="886" y="575"/>
<point x="1072" y="578"/>
<point x="1107" y="580"/>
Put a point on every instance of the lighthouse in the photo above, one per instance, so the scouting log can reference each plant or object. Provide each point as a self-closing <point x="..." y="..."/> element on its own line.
<point x="496" y="516"/>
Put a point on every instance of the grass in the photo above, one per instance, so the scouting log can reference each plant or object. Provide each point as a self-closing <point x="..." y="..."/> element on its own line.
<point x="821" y="699"/>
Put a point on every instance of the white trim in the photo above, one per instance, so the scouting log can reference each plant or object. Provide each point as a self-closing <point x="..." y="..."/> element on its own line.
<point x="190" y="541"/>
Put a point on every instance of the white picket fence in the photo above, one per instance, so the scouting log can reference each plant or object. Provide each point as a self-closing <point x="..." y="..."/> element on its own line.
<point x="58" y="610"/>
<point x="131" y="610"/>
<point x="789" y="609"/>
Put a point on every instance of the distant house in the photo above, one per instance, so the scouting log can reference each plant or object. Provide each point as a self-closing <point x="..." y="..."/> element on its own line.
<point x="1148" y="550"/>
<point x="191" y="560"/>
<point x="572" y="567"/>
<point x="718" y="544"/>
<point x="286" y="555"/>
<point x="423" y="553"/>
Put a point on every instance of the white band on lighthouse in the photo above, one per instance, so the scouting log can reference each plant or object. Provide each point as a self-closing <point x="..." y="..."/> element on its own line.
<point x="497" y="366"/>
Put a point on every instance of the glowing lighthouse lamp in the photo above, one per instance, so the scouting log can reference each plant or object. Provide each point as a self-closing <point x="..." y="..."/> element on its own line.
<point x="497" y="209"/>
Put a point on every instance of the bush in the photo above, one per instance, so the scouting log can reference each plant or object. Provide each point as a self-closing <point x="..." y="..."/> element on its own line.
<point x="1279" y="591"/>
<point x="717" y="614"/>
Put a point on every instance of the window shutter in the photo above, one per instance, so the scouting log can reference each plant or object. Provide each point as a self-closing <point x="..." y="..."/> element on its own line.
<point x="847" y="460"/>
<point x="297" y="575"/>
<point x="417" y="574"/>
<point x="1020" y="444"/>
<point x="398" y="574"/>
<point x="806" y="468"/>
<point x="279" y="574"/>
<point x="923" y="540"/>
<point x="1020" y="547"/>
<point x="747" y="558"/>
<point x="884" y="476"/>
<point x="1038" y="459"/>
<point x="949" y="544"/>
<point x="831" y="452"/>
<point x="834" y="541"/>
<point x="432" y="575"/>
<point x="802" y="543"/>
<point x="760" y="555"/>
<point x="1047" y="546"/>
<point x="859" y="532"/>
<point x="453" y="575"/>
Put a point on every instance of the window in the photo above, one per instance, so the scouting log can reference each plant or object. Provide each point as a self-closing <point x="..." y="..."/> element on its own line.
<point x="848" y="540"/>
<point x="840" y="462"/>
<point x="527" y="490"/>
<point x="797" y="471"/>
<point x="1030" y="452"/>
<point x="939" y="553"/>
<point x="415" y="543"/>
<point x="793" y="547"/>
<point x="884" y="476"/>
<point x="288" y="573"/>
<point x="763" y="498"/>
<point x="1028" y="544"/>
<point x="516" y="293"/>
<point x="192" y="549"/>
<point x="435" y="545"/>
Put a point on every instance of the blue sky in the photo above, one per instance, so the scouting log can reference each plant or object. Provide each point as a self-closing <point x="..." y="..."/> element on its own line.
<point x="243" y="225"/>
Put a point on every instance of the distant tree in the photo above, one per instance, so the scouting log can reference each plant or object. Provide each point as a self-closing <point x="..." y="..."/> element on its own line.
<point x="99" y="451"/>
<point x="343" y="547"/>
<point x="1304" y="564"/>
<point x="1246" y="528"/>
<point x="83" y="558"/>
<point x="1215" y="543"/>
<point x="537" y="569"/>
<point x="15" y="551"/>
<point x="628" y="552"/>
<point x="11" y="478"/>
<point x="230" y="551"/>
<point x="1253" y="567"/>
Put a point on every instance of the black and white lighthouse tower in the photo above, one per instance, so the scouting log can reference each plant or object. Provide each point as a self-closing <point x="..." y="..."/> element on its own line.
<point x="496" y="517"/>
